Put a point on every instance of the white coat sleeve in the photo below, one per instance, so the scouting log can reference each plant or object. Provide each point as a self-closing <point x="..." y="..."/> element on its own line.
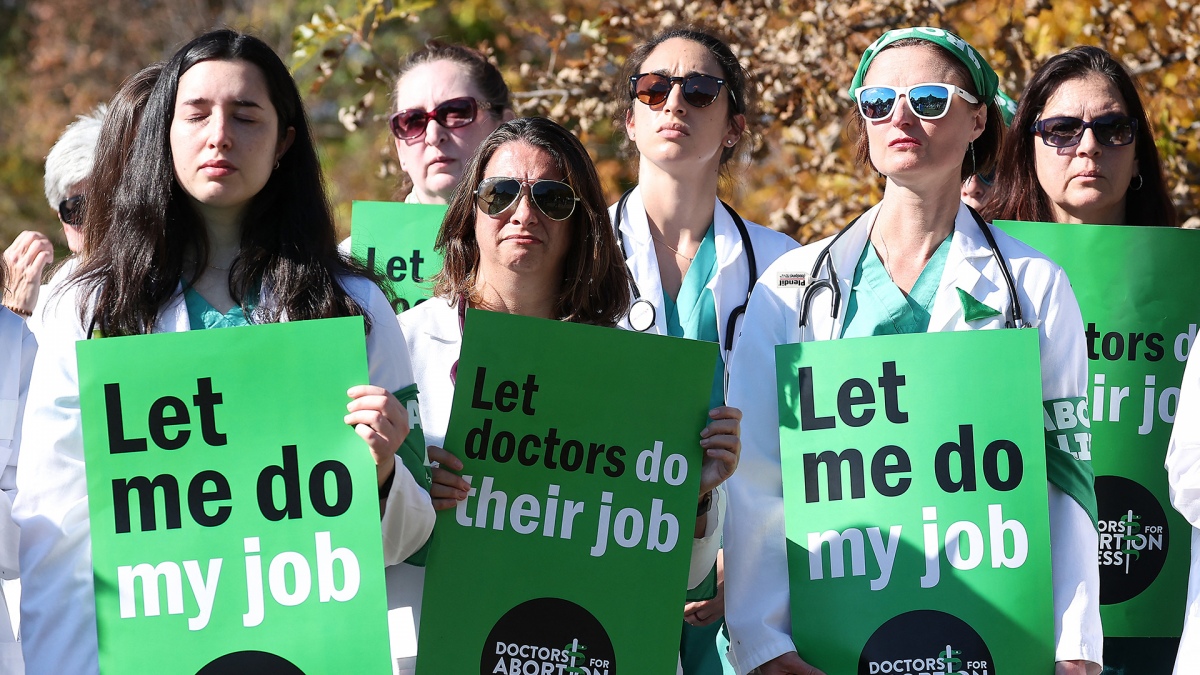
<point x="1183" y="453"/>
<point x="24" y="347"/>
<point x="1074" y="544"/>
<point x="757" y="597"/>
<point x="704" y="549"/>
<point x="408" y="514"/>
<point x="58" y="612"/>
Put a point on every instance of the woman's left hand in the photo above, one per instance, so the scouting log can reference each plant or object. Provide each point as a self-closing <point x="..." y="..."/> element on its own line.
<point x="1077" y="668"/>
<point x="722" y="443"/>
<point x="378" y="417"/>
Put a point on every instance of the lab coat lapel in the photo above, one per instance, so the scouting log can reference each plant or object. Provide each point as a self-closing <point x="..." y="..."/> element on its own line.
<point x="844" y="255"/>
<point x="971" y="267"/>
<point x="642" y="262"/>
<point x="731" y="282"/>
<point x="173" y="318"/>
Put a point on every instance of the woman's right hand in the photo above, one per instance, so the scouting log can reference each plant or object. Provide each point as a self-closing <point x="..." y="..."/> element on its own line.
<point x="787" y="664"/>
<point x="26" y="258"/>
<point x="448" y="489"/>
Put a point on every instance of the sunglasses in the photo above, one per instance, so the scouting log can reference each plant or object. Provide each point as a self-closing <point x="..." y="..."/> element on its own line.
<point x="498" y="194"/>
<point x="928" y="100"/>
<point x="70" y="211"/>
<point x="457" y="112"/>
<point x="1066" y="132"/>
<point x="700" y="91"/>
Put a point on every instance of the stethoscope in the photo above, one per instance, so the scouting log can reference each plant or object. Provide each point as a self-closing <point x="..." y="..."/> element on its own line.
<point x="1014" y="317"/>
<point x="642" y="314"/>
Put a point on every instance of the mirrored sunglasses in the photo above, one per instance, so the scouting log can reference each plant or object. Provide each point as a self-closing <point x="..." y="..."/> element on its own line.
<point x="928" y="100"/>
<point x="1065" y="132"/>
<point x="498" y="194"/>
<point x="457" y="112"/>
<point x="700" y="91"/>
<point x="70" y="211"/>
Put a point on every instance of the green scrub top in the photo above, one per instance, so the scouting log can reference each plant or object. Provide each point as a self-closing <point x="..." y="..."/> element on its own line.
<point x="878" y="307"/>
<point x="693" y="314"/>
<point x="202" y="315"/>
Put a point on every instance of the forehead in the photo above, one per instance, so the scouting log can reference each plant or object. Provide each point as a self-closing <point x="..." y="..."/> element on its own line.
<point x="429" y="84"/>
<point x="222" y="81"/>
<point x="1085" y="97"/>
<point x="518" y="159"/>
<point x="680" y="56"/>
<point x="914" y="64"/>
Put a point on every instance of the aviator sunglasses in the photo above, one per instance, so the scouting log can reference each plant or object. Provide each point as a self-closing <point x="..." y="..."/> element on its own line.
<point x="1066" y="132"/>
<point x="70" y="211"/>
<point x="498" y="194"/>
<point x="457" y="112"/>
<point x="928" y="100"/>
<point x="698" y="90"/>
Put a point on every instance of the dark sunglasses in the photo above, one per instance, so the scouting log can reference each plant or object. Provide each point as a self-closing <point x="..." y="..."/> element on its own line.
<point x="70" y="211"/>
<point x="698" y="90"/>
<point x="1066" y="132"/>
<point x="498" y="194"/>
<point x="986" y="178"/>
<point x="457" y="112"/>
<point x="929" y="100"/>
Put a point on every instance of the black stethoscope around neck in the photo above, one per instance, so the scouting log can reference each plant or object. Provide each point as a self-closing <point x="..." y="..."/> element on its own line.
<point x="642" y="314"/>
<point x="1015" y="318"/>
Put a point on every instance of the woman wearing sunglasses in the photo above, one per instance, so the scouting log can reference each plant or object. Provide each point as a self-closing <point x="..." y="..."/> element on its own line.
<point x="1082" y="150"/>
<point x="527" y="233"/>
<point x="219" y="220"/>
<point x="693" y="259"/>
<point x="926" y="120"/>
<point x="448" y="98"/>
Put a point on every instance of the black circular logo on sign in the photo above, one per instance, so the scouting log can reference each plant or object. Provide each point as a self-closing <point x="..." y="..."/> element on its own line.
<point x="1133" y="538"/>
<point x="250" y="663"/>
<point x="548" y="635"/>
<point x="925" y="641"/>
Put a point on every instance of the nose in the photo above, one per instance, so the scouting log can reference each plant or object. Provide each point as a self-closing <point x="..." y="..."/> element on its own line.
<point x="902" y="114"/>
<point x="972" y="188"/>
<point x="435" y="133"/>
<point x="1088" y="145"/>
<point x="218" y="131"/>
<point x="675" y="102"/>
<point x="523" y="211"/>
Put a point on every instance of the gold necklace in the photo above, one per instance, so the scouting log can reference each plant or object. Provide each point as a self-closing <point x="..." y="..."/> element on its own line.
<point x="671" y="248"/>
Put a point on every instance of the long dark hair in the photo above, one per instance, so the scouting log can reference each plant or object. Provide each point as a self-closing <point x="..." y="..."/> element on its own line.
<point x="1018" y="194"/>
<point x="732" y="71"/>
<point x="288" y="241"/>
<point x="595" y="285"/>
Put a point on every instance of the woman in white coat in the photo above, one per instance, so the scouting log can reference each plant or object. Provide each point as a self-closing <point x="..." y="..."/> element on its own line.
<point x="693" y="259"/>
<point x="17" y="349"/>
<point x="898" y="269"/>
<point x="220" y="219"/>
<point x="1183" y="475"/>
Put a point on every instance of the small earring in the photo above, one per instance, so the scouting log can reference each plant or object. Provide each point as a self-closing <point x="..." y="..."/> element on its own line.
<point x="276" y="164"/>
<point x="974" y="166"/>
<point x="1141" y="181"/>
<point x="729" y="142"/>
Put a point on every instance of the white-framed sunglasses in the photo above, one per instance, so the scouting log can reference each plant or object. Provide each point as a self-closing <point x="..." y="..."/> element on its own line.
<point x="927" y="100"/>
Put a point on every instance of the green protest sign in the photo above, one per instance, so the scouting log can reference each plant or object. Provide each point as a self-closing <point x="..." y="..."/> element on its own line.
<point x="1137" y="291"/>
<point x="914" y="484"/>
<point x="234" y="516"/>
<point x="571" y="553"/>
<point x="396" y="240"/>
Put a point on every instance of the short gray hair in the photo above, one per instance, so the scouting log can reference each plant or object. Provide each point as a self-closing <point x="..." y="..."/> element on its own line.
<point x="70" y="160"/>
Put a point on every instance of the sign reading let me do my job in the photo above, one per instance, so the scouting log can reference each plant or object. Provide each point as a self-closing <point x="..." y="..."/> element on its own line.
<point x="916" y="509"/>
<point x="396" y="241"/>
<point x="234" y="516"/>
<point x="570" y="554"/>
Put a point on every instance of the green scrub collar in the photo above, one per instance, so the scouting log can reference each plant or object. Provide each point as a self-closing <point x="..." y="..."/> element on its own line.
<point x="985" y="79"/>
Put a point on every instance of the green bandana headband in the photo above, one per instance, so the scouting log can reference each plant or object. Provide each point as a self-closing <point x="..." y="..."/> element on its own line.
<point x="986" y="82"/>
<point x="1008" y="107"/>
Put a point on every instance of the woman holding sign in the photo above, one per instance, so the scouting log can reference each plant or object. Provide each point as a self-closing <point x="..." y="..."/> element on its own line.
<point x="693" y="259"/>
<point x="533" y="238"/>
<point x="17" y="349"/>
<point x="919" y="261"/>
<point x="1083" y="150"/>
<point x="220" y="220"/>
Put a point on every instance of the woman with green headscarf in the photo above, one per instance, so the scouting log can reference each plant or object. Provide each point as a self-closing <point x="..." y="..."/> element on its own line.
<point x="919" y="261"/>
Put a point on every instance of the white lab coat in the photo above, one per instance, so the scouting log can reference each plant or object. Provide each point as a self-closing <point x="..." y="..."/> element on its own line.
<point x="1183" y="475"/>
<point x="732" y="280"/>
<point x="58" y="605"/>
<point x="757" y="601"/>
<point x="434" y="341"/>
<point x="17" y="349"/>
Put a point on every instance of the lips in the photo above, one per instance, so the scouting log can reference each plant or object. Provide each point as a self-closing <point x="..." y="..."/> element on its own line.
<point x="904" y="142"/>
<point x="217" y="167"/>
<point x="523" y="238"/>
<point x="674" y="130"/>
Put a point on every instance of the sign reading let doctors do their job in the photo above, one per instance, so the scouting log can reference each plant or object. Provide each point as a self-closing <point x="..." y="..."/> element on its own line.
<point x="234" y="516"/>
<point x="915" y="496"/>
<point x="570" y="555"/>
